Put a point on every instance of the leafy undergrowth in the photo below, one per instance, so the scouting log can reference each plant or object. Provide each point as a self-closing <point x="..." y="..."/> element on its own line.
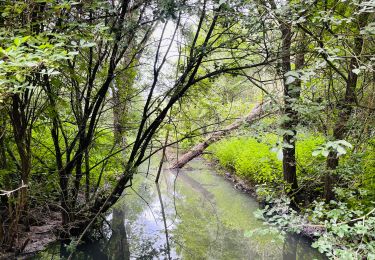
<point x="339" y="231"/>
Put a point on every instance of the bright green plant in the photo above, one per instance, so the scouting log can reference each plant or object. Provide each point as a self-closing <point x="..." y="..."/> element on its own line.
<point x="257" y="160"/>
<point x="257" y="163"/>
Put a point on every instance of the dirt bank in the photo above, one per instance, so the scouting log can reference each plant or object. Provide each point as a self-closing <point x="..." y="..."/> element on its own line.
<point x="45" y="226"/>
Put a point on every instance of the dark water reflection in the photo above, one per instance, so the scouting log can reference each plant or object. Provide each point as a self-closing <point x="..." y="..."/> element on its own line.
<point x="198" y="215"/>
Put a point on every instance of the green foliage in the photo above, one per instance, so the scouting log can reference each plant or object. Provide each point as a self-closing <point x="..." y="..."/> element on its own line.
<point x="22" y="56"/>
<point x="254" y="160"/>
<point x="306" y="163"/>
<point x="68" y="67"/>
<point x="368" y="176"/>
<point x="350" y="233"/>
<point x="340" y="231"/>
<point x="340" y="147"/>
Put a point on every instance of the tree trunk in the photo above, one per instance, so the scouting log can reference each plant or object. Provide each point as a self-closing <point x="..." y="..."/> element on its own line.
<point x="119" y="112"/>
<point x="257" y="113"/>
<point x="346" y="109"/>
<point x="3" y="165"/>
<point x="340" y="129"/>
<point x="330" y="177"/>
<point x="3" y="158"/>
<point x="22" y="136"/>
<point x="292" y="90"/>
<point x="87" y="175"/>
<point x="118" y="243"/>
<point x="63" y="171"/>
<point x="162" y="157"/>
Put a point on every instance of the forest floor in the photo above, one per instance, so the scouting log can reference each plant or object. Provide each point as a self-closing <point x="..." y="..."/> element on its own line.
<point x="41" y="235"/>
<point x="44" y="230"/>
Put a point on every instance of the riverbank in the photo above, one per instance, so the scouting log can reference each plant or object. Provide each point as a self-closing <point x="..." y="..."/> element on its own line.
<point x="44" y="231"/>
<point x="339" y="228"/>
<point x="199" y="178"/>
<point x="240" y="183"/>
<point x="193" y="213"/>
<point x="307" y="230"/>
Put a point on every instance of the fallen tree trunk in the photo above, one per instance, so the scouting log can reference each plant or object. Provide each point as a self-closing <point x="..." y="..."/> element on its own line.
<point x="256" y="113"/>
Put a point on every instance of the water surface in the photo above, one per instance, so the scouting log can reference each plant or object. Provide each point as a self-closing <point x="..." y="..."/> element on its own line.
<point x="192" y="214"/>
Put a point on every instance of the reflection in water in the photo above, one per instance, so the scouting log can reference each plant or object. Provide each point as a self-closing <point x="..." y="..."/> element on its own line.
<point x="164" y="221"/>
<point x="199" y="215"/>
<point x="290" y="248"/>
<point x="118" y="243"/>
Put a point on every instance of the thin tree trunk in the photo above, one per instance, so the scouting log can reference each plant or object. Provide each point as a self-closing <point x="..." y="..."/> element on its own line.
<point x="87" y="175"/>
<point x="256" y="113"/>
<point x="22" y="138"/>
<point x="3" y="158"/>
<point x="3" y="165"/>
<point x="63" y="171"/>
<point x="292" y="91"/>
<point x="162" y="157"/>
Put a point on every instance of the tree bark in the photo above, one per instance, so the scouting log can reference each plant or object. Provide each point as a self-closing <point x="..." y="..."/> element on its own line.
<point x="3" y="158"/>
<point x="22" y="136"/>
<point x="346" y="109"/>
<point x="289" y="163"/>
<point x="120" y="111"/>
<point x="292" y="91"/>
<point x="162" y="157"/>
<point x="257" y="112"/>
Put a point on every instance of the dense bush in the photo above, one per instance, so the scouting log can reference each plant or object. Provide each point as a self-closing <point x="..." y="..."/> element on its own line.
<point x="254" y="160"/>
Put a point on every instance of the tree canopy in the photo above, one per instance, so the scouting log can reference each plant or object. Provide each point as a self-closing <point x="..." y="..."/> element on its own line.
<point x="90" y="90"/>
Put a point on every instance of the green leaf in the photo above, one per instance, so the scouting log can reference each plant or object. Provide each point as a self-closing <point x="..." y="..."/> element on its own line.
<point x="25" y="39"/>
<point x="356" y="71"/>
<point x="290" y="80"/>
<point x="280" y="155"/>
<point x="325" y="153"/>
<point x="20" y="77"/>
<point x="292" y="73"/>
<point x="345" y="143"/>
<point x="341" y="150"/>
<point x="17" y="41"/>
<point x="316" y="152"/>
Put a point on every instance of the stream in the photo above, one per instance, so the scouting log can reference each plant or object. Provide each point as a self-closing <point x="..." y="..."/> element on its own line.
<point x="198" y="215"/>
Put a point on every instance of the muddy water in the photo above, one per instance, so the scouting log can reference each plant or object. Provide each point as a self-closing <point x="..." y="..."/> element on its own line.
<point x="191" y="214"/>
